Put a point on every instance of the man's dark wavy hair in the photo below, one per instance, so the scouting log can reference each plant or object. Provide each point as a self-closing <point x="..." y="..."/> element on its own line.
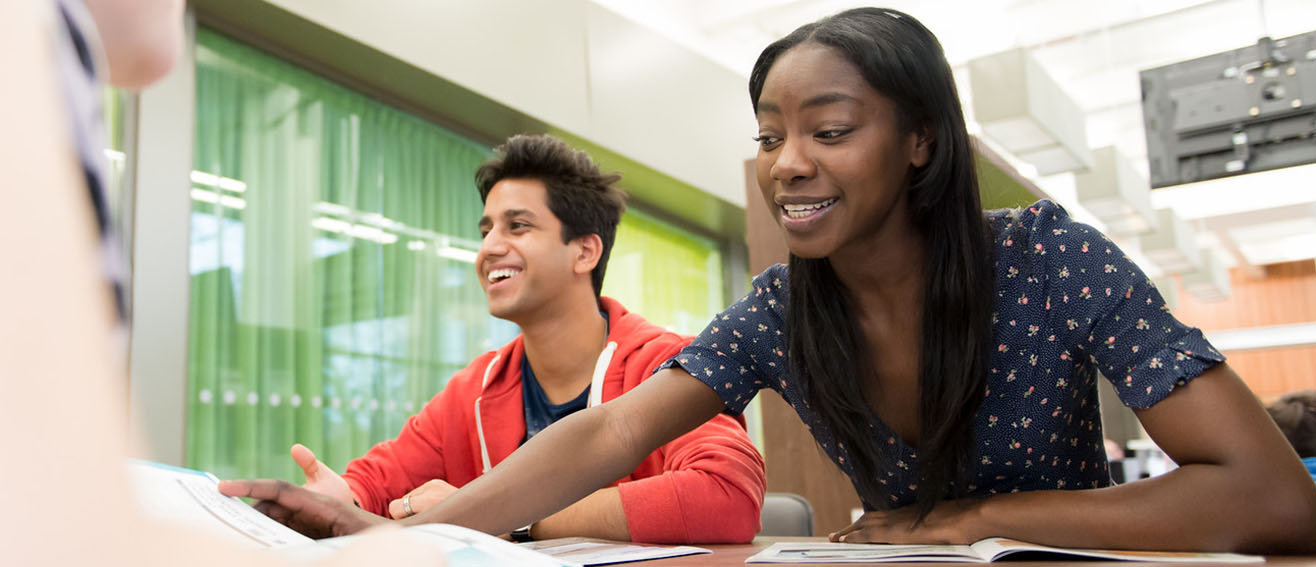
<point x="583" y="198"/>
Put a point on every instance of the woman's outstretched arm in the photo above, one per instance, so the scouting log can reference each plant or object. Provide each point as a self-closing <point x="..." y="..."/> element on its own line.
<point x="562" y="464"/>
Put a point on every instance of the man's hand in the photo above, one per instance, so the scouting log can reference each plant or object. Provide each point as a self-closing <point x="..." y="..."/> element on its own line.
<point x="319" y="477"/>
<point x="949" y="523"/>
<point x="424" y="496"/>
<point x="311" y="513"/>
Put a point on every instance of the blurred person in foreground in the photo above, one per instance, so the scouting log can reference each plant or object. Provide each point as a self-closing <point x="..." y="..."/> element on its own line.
<point x="62" y="402"/>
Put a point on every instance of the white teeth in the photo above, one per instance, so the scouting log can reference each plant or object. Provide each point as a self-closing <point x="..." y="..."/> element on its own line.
<point x="801" y="211"/>
<point x="502" y="274"/>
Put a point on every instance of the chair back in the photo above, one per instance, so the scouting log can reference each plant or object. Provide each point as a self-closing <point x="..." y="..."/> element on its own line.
<point x="786" y="514"/>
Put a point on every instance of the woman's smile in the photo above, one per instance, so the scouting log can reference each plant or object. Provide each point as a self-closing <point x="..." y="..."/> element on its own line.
<point x="799" y="217"/>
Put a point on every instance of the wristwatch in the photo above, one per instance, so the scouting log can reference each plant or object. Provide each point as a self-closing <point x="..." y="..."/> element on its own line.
<point x="522" y="534"/>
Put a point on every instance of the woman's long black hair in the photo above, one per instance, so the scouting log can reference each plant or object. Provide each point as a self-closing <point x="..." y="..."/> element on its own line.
<point x="903" y="61"/>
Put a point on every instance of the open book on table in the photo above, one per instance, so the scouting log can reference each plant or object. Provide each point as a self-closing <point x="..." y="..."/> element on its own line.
<point x="190" y="498"/>
<point x="984" y="551"/>
<point x="589" y="551"/>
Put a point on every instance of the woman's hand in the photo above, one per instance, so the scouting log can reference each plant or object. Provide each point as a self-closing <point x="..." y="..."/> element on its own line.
<point x="420" y="499"/>
<point x="949" y="523"/>
<point x="313" y="514"/>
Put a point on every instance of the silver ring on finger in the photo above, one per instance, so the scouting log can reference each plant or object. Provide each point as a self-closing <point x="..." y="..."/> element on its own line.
<point x="406" y="505"/>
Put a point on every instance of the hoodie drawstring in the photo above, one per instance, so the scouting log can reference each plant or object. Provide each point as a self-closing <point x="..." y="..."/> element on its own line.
<point x="479" y="425"/>
<point x="595" y="394"/>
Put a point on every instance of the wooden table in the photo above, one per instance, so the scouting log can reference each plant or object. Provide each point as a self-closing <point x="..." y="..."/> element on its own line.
<point x="734" y="555"/>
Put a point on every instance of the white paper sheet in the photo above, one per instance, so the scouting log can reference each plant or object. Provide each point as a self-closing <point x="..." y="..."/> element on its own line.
<point x="587" y="551"/>
<point x="191" y="498"/>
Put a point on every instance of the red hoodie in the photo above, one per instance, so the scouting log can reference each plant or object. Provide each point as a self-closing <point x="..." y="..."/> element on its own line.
<point x="704" y="487"/>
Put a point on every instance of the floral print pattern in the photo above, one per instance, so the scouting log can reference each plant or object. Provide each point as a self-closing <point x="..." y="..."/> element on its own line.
<point x="1069" y="304"/>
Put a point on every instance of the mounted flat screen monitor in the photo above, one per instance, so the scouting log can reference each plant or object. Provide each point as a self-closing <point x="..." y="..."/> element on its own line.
<point x="1242" y="111"/>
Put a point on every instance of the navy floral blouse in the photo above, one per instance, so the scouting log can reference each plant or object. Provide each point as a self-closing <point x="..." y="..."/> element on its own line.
<point x="1069" y="303"/>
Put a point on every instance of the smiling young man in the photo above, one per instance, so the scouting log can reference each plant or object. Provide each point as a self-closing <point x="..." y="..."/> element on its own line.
<point x="549" y="221"/>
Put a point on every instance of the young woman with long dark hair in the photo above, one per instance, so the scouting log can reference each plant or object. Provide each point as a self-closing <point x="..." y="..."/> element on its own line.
<point x="945" y="358"/>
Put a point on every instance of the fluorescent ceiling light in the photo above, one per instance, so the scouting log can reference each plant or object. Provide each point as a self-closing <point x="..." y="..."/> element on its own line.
<point x="331" y="209"/>
<point x="203" y="178"/>
<point x="458" y="254"/>
<point x="231" y="202"/>
<point x="1300" y="334"/>
<point x="331" y="225"/>
<point x="227" y="201"/>
<point x="206" y="196"/>
<point x="372" y="233"/>
<point x="233" y="185"/>
<point x="212" y="180"/>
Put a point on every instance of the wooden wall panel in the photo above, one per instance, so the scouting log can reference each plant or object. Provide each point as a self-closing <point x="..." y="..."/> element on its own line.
<point x="1271" y="373"/>
<point x="1285" y="295"/>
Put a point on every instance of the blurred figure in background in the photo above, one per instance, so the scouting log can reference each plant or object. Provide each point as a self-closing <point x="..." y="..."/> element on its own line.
<point x="1295" y="414"/>
<point x="1115" y="456"/>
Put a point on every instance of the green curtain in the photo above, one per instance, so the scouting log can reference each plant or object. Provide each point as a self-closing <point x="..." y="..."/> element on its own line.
<point x="332" y="289"/>
<point x="332" y="285"/>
